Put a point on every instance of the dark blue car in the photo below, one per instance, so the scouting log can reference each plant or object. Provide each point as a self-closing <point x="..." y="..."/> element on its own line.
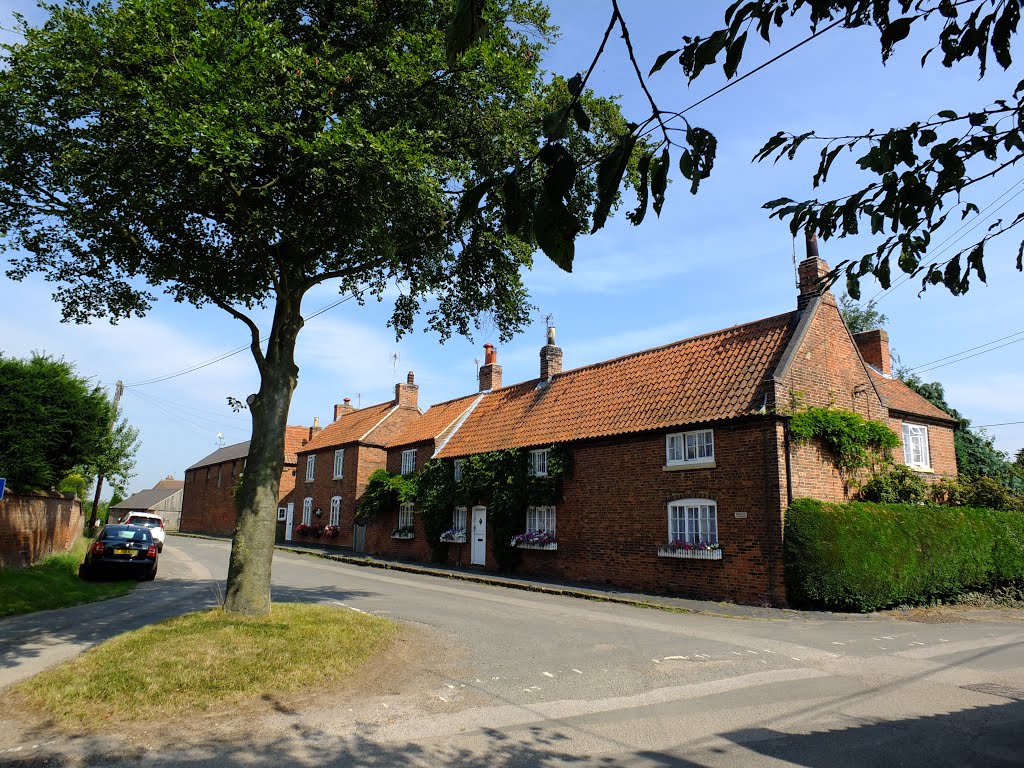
<point x="121" y="551"/>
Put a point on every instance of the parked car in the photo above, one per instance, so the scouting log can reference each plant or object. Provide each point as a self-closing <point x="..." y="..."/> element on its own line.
<point x="155" y="523"/>
<point x="121" y="550"/>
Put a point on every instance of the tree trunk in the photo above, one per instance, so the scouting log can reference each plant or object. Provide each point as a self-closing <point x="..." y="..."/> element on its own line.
<point x="95" y="505"/>
<point x="252" y="548"/>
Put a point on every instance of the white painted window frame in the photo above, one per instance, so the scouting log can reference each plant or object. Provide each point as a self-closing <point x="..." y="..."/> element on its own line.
<point x="339" y="463"/>
<point x="310" y="467"/>
<point x="307" y="510"/>
<point x="457" y="471"/>
<point x="539" y="462"/>
<point x="408" y="461"/>
<point x="693" y="447"/>
<point x="541" y="519"/>
<point x="406" y="515"/>
<point x="694" y="521"/>
<point x="335" y="510"/>
<point x="916" y="453"/>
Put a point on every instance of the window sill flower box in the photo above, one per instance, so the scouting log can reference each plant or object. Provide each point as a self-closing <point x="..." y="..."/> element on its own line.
<point x="535" y="540"/>
<point x="691" y="551"/>
<point x="405" y="532"/>
<point x="454" y="536"/>
<point x="314" y="531"/>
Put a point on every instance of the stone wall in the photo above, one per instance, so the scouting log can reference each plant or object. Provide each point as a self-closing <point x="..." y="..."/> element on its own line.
<point x="34" y="526"/>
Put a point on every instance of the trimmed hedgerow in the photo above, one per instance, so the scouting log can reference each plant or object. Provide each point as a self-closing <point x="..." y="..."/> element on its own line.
<point x="863" y="557"/>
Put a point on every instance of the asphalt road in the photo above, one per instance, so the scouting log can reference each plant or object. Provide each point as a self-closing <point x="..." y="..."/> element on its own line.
<point x="524" y="679"/>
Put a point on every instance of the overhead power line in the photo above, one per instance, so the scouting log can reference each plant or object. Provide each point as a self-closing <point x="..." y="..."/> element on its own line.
<point x="968" y="357"/>
<point x="231" y="353"/>
<point x="970" y="349"/>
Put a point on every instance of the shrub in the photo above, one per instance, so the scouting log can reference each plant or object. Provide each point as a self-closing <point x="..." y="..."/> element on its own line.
<point x="894" y="485"/>
<point x="863" y="557"/>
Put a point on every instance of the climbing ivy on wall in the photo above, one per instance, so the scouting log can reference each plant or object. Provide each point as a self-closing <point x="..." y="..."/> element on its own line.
<point x="499" y="480"/>
<point x="854" y="442"/>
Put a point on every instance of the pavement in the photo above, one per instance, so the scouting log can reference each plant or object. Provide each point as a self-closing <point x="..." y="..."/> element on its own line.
<point x="585" y="591"/>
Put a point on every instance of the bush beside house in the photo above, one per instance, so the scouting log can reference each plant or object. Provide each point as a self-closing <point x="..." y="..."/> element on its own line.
<point x="864" y="557"/>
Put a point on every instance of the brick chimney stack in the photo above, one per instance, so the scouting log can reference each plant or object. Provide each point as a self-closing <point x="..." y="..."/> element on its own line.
<point x="550" y="356"/>
<point x="341" y="409"/>
<point x="490" y="371"/>
<point x="407" y="395"/>
<point x="874" y="348"/>
<point x="810" y="271"/>
<point x="315" y="429"/>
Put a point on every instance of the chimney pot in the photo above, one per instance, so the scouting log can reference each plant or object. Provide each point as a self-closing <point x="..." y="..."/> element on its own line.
<point x="347" y="401"/>
<point x="490" y="371"/>
<point x="550" y="356"/>
<point x="407" y="395"/>
<point x="409" y="378"/>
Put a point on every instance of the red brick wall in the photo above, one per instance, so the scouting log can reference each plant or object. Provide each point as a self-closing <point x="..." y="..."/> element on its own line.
<point x="941" y="450"/>
<point x="209" y="507"/>
<point x="826" y="371"/>
<point x="33" y="526"/>
<point x="361" y="461"/>
<point x="378" y="531"/>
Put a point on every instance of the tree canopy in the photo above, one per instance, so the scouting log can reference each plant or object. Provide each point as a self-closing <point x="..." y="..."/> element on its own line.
<point x="860" y="318"/>
<point x="924" y="173"/>
<point x="53" y="424"/>
<point x="238" y="154"/>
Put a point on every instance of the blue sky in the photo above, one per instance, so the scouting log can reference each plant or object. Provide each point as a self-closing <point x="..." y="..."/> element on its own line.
<point x="710" y="261"/>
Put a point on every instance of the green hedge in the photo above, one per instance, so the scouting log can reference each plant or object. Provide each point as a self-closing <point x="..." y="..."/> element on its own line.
<point x="863" y="557"/>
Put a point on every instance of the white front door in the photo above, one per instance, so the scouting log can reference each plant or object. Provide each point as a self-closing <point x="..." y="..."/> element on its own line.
<point x="478" y="552"/>
<point x="288" y="522"/>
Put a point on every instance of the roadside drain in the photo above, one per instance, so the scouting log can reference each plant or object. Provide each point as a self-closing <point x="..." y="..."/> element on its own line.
<point x="995" y="689"/>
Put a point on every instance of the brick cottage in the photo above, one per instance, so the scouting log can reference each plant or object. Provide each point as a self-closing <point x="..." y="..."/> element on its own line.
<point x="686" y="443"/>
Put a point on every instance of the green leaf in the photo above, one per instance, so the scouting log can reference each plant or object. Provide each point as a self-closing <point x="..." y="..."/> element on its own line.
<point x="516" y="211"/>
<point x="581" y="116"/>
<point x="555" y="229"/>
<point x="853" y="286"/>
<point x="659" y="180"/>
<point x="643" y="167"/>
<point x="554" y="124"/>
<point x="561" y="170"/>
<point x="948" y="114"/>
<point x="469" y="205"/>
<point x="609" y="176"/>
<point x="660" y="61"/>
<point x="575" y="84"/>
<point x="882" y="273"/>
<point x="893" y="32"/>
<point x="733" y="54"/>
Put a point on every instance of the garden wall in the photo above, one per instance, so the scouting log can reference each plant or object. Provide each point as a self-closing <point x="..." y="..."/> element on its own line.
<point x="34" y="526"/>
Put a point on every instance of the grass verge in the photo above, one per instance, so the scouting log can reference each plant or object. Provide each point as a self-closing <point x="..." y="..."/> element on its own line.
<point x="53" y="583"/>
<point x="207" y="660"/>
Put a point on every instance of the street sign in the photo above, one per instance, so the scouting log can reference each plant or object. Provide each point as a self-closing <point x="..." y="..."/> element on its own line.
<point x="3" y="482"/>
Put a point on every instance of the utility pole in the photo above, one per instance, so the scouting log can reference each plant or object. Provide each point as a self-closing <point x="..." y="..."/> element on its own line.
<point x="118" y="389"/>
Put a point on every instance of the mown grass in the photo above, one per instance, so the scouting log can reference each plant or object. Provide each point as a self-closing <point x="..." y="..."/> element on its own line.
<point x="206" y="660"/>
<point x="53" y="583"/>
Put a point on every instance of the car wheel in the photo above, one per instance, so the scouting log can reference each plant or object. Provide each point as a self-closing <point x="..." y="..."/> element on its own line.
<point x="151" y="575"/>
<point x="159" y="546"/>
<point x="84" y="572"/>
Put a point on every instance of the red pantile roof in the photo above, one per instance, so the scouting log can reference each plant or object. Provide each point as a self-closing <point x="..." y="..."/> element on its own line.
<point x="349" y="427"/>
<point x="719" y="375"/>
<point x="436" y="422"/>
<point x="900" y="397"/>
<point x="293" y="439"/>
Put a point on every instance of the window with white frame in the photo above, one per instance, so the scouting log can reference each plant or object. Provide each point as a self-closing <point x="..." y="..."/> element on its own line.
<point x="696" y="447"/>
<point x="307" y="511"/>
<point x="459" y="518"/>
<point x="915" y="446"/>
<point x="539" y="462"/>
<point x="336" y="511"/>
<point x="408" y="461"/>
<point x="282" y="514"/>
<point x="310" y="467"/>
<point x="693" y="521"/>
<point x="459" y="463"/>
<point x="540" y="519"/>
<point x="339" y="463"/>
<point x="405" y="513"/>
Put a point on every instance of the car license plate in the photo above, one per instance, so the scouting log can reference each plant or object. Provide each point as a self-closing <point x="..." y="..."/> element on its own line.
<point x="123" y="552"/>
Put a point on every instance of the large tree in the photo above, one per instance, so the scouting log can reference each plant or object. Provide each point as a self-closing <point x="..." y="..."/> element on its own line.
<point x="240" y="153"/>
<point x="52" y="423"/>
<point x="925" y="173"/>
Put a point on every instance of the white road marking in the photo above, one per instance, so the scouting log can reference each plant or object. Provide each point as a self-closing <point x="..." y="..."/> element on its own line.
<point x="548" y="674"/>
<point x="578" y="672"/>
<point x="676" y="658"/>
